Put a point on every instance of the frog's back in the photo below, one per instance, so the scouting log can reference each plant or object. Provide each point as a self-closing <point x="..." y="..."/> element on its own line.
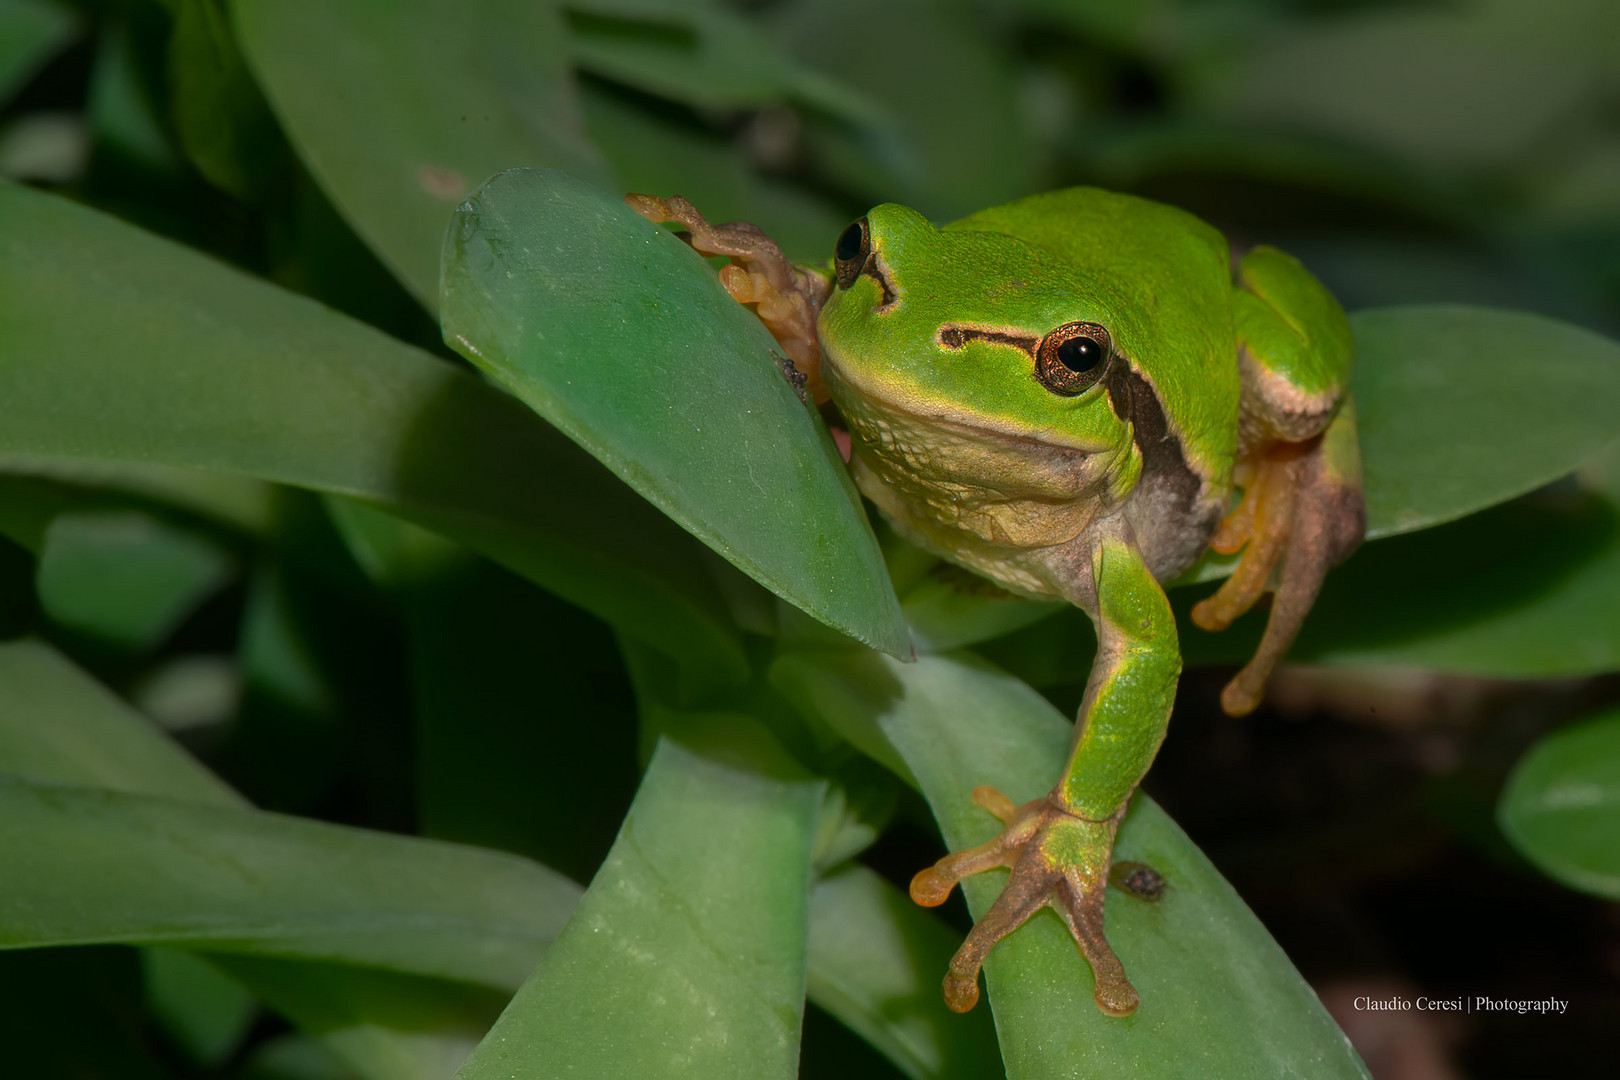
<point x="1172" y="271"/>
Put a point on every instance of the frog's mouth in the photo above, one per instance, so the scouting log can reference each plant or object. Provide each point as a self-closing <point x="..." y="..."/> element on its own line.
<point x="838" y="428"/>
<point x="850" y="391"/>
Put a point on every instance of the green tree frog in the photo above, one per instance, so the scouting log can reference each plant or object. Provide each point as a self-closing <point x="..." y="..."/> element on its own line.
<point x="1065" y="394"/>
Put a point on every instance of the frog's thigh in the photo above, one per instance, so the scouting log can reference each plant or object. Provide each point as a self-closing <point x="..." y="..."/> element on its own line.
<point x="1295" y="350"/>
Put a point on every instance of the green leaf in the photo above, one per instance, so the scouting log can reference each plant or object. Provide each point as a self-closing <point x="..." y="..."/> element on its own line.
<point x="294" y="1056"/>
<point x="876" y="961"/>
<point x="686" y="956"/>
<point x="702" y="55"/>
<point x="1527" y="590"/>
<point x="92" y="737"/>
<point x="133" y="163"/>
<point x="1216" y="989"/>
<point x="1434" y="408"/>
<point x="388" y="1026"/>
<point x="948" y="88"/>
<point x="126" y="579"/>
<point x="27" y="507"/>
<point x="220" y="118"/>
<point x="952" y="607"/>
<point x="89" y="865"/>
<point x="190" y="691"/>
<point x="1561" y="806"/>
<point x="123" y="347"/>
<point x="650" y="154"/>
<point x="1466" y="86"/>
<point x="525" y="724"/>
<point x="238" y="502"/>
<point x="620" y="335"/>
<point x="207" y="1013"/>
<point x="31" y="31"/>
<point x="401" y="107"/>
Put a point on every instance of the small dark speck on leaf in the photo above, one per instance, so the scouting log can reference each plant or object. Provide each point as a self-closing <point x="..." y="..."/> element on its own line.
<point x="796" y="378"/>
<point x="1138" y="879"/>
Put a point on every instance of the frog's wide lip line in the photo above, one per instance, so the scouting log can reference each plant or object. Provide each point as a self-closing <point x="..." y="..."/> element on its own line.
<point x="1022" y="438"/>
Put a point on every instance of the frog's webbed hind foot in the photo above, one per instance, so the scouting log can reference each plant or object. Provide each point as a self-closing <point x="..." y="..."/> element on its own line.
<point x="1057" y="859"/>
<point x="786" y="297"/>
<point x="1301" y="514"/>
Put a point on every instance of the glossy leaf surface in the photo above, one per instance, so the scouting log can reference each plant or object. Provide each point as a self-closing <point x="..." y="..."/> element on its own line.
<point x="1439" y="436"/>
<point x="385" y="1025"/>
<point x="123" y="347"/>
<point x="1216" y="989"/>
<point x="401" y="107"/>
<point x="943" y="91"/>
<point x="124" y="578"/>
<point x="655" y="157"/>
<point x="1524" y="590"/>
<point x="875" y="963"/>
<point x="686" y="956"/>
<point x="91" y="737"/>
<point x="695" y="53"/>
<point x="1561" y="806"/>
<point x="621" y="336"/>
<point x="246" y="881"/>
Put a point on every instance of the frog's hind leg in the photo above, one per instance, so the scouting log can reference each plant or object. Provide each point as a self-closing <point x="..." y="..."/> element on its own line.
<point x="786" y="297"/>
<point x="1302" y="510"/>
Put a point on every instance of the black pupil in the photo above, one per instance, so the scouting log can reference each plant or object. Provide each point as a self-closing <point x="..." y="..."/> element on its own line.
<point x="1079" y="354"/>
<point x="849" y="244"/>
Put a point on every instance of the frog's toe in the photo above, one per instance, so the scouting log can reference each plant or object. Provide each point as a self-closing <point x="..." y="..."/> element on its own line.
<point x="1261" y="526"/>
<point x="785" y="297"/>
<point x="1300" y="517"/>
<point x="1328" y="523"/>
<point x="1057" y="859"/>
<point x="1028" y="888"/>
<point x="932" y="886"/>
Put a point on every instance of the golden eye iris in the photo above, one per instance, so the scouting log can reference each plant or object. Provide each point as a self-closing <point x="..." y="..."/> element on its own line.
<point x="1072" y="358"/>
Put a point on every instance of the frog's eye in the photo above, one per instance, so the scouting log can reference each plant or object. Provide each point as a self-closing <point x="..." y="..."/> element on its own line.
<point x="849" y="256"/>
<point x="1072" y="358"/>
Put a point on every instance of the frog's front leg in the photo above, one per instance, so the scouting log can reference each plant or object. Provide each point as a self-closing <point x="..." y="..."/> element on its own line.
<point x="1059" y="847"/>
<point x="1298" y="462"/>
<point x="786" y="297"/>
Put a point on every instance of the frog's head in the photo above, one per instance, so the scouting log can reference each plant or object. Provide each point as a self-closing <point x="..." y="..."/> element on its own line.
<point x="980" y="334"/>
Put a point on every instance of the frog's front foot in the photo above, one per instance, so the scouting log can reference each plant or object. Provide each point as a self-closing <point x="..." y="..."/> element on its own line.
<point x="1057" y="859"/>
<point x="786" y="298"/>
